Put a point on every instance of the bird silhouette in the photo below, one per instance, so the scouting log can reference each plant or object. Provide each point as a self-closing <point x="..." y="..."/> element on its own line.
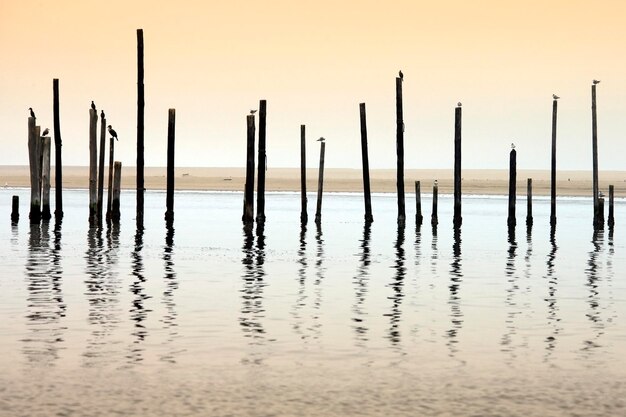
<point x="45" y="132"/>
<point x="554" y="96"/>
<point x="93" y="105"/>
<point x="32" y="113"/>
<point x="102" y="114"/>
<point x="321" y="139"/>
<point x="436" y="182"/>
<point x="596" y="82"/>
<point x="512" y="146"/>
<point x="252" y="111"/>
<point x="112" y="132"/>
<point x="600" y="194"/>
<point x="458" y="104"/>
<point x="401" y="75"/>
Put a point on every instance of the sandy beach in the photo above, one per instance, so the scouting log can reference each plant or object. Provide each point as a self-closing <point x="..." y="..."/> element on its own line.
<point x="475" y="182"/>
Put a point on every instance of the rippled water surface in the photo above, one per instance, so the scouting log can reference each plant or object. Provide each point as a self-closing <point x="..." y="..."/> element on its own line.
<point x="208" y="318"/>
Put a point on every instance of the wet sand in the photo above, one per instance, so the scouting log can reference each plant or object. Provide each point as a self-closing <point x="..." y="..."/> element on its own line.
<point x="475" y="182"/>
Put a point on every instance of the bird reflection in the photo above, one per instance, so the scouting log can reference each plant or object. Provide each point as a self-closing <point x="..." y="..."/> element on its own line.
<point x="170" y="316"/>
<point x="397" y="286"/>
<point x="46" y="307"/>
<point x="553" y="309"/>
<point x="593" y="280"/>
<point x="456" y="276"/>
<point x="138" y="310"/>
<point x="513" y="310"/>
<point x="301" y="296"/>
<point x="360" y="282"/>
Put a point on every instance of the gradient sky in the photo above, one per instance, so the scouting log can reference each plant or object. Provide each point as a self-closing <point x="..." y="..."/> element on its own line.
<point x="315" y="61"/>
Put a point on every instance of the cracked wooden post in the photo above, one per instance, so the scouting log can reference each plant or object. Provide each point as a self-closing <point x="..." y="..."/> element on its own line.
<point x="553" y="167"/>
<point x="400" y="151"/>
<point x="304" y="217"/>
<point x="529" y="202"/>
<point x="171" y="137"/>
<point x="248" y="198"/>
<point x="93" y="166"/>
<point x="110" y="190"/>
<point x="320" y="184"/>
<point x="594" y="150"/>
<point x="366" y="166"/>
<point x="101" y="166"/>
<point x="34" y="157"/>
<point x="458" y="218"/>
<point x="262" y="168"/>
<point x="434" y="219"/>
<point x="45" y="180"/>
<point x="511" y="221"/>
<point x="115" y="203"/>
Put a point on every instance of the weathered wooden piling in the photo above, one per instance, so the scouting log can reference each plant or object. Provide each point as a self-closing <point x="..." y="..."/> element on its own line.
<point x="93" y="165"/>
<point x="304" y="217"/>
<point x="594" y="150"/>
<point x="434" y="219"/>
<point x="115" y="203"/>
<point x="553" y="167"/>
<point x="529" y="202"/>
<point x="600" y="212"/>
<point x="511" y="221"/>
<point x="260" y="190"/>
<point x="110" y="191"/>
<point x="58" y="165"/>
<point x="101" y="166"/>
<point x="140" y="128"/>
<point x="171" y="137"/>
<point x="366" y="166"/>
<point x="320" y="185"/>
<point x="418" y="204"/>
<point x="248" y="198"/>
<point x="400" y="151"/>
<point x="34" y="157"/>
<point x="45" y="180"/>
<point x="458" y="218"/>
<point x="15" y="209"/>
<point x="611" y="221"/>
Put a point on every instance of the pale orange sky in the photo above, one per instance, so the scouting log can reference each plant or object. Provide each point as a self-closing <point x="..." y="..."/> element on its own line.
<point x="314" y="62"/>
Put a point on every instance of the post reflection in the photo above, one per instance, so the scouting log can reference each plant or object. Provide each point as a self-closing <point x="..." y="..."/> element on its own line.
<point x="296" y="311"/>
<point x="320" y="270"/>
<point x="45" y="304"/>
<point x="360" y="283"/>
<point x="169" y="320"/>
<point x="553" y="309"/>
<point x="594" y="312"/>
<point x="454" y="300"/>
<point x="138" y="310"/>
<point x="397" y="286"/>
<point x="507" y="341"/>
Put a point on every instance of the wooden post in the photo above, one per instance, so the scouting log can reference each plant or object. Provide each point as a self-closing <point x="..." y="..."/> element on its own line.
<point x="418" y="205"/>
<point x="45" y="179"/>
<point x="260" y="190"/>
<point x="511" y="221"/>
<point x="171" y="136"/>
<point x="611" y="221"/>
<point x="34" y="152"/>
<point x="320" y="185"/>
<point x="304" y="217"/>
<point x="553" y="167"/>
<point x="248" y="198"/>
<point x="434" y="220"/>
<point x="110" y="193"/>
<point x="115" y="203"/>
<point x="600" y="212"/>
<point x="93" y="165"/>
<point x="529" y="202"/>
<point x="103" y="124"/>
<point x="58" y="166"/>
<point x="366" y="166"/>
<point x="15" y="209"/>
<point x="594" y="148"/>
<point x="140" y="128"/>
<point x="458" y="218"/>
<point x="400" y="151"/>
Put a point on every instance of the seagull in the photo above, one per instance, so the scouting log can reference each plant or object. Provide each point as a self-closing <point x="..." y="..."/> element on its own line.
<point x="401" y="75"/>
<point x="321" y="139"/>
<point x="436" y="182"/>
<point x="252" y="111"/>
<point x="102" y="114"/>
<point x="112" y="132"/>
<point x="458" y="104"/>
<point x="512" y="146"/>
<point x="596" y="82"/>
<point x="554" y="96"/>
<point x="45" y="132"/>
<point x="32" y="113"/>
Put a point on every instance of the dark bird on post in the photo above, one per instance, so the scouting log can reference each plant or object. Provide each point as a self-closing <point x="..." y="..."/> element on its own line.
<point x="112" y="132"/>
<point x="93" y="106"/>
<point x="32" y="113"/>
<point x="596" y="82"/>
<point x="252" y="112"/>
<point x="45" y="132"/>
<point x="458" y="104"/>
<point x="401" y="75"/>
<point x="554" y="96"/>
<point x="321" y="139"/>
<point x="102" y="114"/>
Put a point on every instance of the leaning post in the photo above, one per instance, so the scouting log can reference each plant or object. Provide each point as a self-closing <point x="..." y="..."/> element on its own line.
<point x="320" y="184"/>
<point x="248" y="198"/>
<point x="366" y="166"/>
<point x="171" y="137"/>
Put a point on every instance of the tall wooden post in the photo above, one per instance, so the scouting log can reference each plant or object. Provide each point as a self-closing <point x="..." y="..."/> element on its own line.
<point x="529" y="202"/>
<point x="320" y="185"/>
<point x="34" y="152"/>
<point x="400" y="151"/>
<point x="58" y="165"/>
<point x="594" y="148"/>
<point x="15" y="209"/>
<point x="511" y="221"/>
<point x="600" y="212"/>
<point x="115" y="203"/>
<point x="434" y="219"/>
<point x="304" y="217"/>
<point x="366" y="166"/>
<point x="260" y="190"/>
<point x="103" y="131"/>
<point x="418" y="205"/>
<point x="140" y="127"/>
<point x="93" y="165"/>
<point x="171" y="136"/>
<point x="611" y="221"/>
<point x="110" y="192"/>
<point x="248" y="198"/>
<point x="553" y="167"/>
<point x="458" y="218"/>
<point x="45" y="180"/>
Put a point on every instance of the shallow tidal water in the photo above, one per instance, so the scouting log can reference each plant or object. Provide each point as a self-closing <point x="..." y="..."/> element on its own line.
<point x="348" y="319"/>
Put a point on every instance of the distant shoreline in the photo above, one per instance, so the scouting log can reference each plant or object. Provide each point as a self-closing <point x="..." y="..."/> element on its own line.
<point x="475" y="182"/>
